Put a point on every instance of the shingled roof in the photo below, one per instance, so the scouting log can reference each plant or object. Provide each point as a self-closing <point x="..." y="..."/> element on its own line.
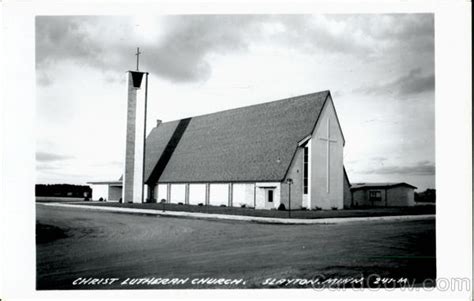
<point x="248" y="144"/>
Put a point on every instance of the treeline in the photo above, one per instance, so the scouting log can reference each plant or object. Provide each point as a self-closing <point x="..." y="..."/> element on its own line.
<point x="427" y="196"/>
<point x="63" y="190"/>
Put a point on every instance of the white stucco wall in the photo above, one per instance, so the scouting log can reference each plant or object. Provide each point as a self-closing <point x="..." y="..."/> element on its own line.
<point x="296" y="174"/>
<point x="178" y="193"/>
<point x="321" y="195"/>
<point x="243" y="194"/>
<point x="218" y="194"/>
<point x="197" y="194"/>
<point x="100" y="191"/>
<point x="261" y="197"/>
<point x="155" y="193"/>
<point x="162" y="192"/>
<point x="115" y="193"/>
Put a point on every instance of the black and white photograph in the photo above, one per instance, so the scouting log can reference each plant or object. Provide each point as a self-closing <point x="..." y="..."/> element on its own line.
<point x="242" y="151"/>
<point x="239" y="151"/>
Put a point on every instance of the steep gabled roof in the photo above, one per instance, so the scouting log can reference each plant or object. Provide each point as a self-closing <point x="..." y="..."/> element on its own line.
<point x="254" y="143"/>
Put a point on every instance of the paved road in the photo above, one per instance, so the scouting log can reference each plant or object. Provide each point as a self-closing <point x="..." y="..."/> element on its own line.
<point x="75" y="243"/>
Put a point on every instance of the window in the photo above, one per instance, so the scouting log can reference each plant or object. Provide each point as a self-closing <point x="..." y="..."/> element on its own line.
<point x="375" y="196"/>
<point x="270" y="195"/>
<point x="305" y="170"/>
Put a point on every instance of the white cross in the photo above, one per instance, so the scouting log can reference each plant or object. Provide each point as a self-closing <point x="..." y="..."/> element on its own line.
<point x="329" y="140"/>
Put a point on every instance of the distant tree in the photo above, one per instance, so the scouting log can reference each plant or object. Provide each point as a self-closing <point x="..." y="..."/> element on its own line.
<point x="63" y="190"/>
<point x="427" y="196"/>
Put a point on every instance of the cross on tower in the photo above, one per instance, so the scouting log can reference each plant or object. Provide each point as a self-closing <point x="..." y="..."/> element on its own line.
<point x="138" y="56"/>
<point x="328" y="140"/>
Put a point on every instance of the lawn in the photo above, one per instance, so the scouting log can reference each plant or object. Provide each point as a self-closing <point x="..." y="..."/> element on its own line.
<point x="74" y="243"/>
<point x="54" y="199"/>
<point x="368" y="212"/>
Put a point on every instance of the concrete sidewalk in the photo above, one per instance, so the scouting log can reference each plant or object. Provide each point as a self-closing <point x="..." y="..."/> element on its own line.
<point x="255" y="219"/>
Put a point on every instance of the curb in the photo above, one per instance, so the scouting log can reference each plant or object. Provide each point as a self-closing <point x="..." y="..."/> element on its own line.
<point x="256" y="219"/>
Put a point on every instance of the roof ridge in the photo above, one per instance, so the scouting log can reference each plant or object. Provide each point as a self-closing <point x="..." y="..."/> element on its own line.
<point x="249" y="106"/>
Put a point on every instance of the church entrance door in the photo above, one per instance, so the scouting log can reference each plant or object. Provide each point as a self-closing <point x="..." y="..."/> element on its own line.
<point x="269" y="198"/>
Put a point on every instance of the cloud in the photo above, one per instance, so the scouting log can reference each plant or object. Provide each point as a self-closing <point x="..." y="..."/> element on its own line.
<point x="51" y="157"/>
<point x="415" y="28"/>
<point x="366" y="36"/>
<point x="379" y="159"/>
<point x="180" y="54"/>
<point x="322" y="34"/>
<point x="181" y="48"/>
<point x="415" y="82"/>
<point x="421" y="168"/>
<point x="183" y="54"/>
<point x="63" y="37"/>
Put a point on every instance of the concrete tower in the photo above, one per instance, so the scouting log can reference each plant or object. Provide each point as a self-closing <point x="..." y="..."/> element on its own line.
<point x="135" y="138"/>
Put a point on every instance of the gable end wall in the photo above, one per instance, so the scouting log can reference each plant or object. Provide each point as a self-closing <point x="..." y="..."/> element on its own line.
<point x="320" y="197"/>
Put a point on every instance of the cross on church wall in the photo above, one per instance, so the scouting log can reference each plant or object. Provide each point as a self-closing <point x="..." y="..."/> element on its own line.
<point x="328" y="152"/>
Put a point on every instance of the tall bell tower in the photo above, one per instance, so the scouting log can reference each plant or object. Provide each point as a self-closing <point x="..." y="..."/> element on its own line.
<point x="133" y="179"/>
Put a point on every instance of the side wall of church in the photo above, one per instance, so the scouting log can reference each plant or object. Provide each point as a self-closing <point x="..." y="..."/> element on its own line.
<point x="177" y="193"/>
<point x="243" y="195"/>
<point x="322" y="196"/>
<point x="261" y="195"/>
<point x="219" y="194"/>
<point x="296" y="174"/>
<point x="197" y="194"/>
<point x="250" y="195"/>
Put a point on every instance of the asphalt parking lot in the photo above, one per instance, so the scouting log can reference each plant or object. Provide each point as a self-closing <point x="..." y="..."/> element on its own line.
<point x="74" y="243"/>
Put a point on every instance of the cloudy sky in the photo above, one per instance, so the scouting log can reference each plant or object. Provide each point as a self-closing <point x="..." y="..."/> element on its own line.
<point x="379" y="69"/>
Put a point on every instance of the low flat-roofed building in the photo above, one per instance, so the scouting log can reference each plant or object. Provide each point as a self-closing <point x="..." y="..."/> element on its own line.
<point x="382" y="195"/>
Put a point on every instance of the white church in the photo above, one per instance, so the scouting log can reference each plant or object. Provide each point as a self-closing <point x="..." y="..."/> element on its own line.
<point x="259" y="156"/>
<point x="250" y="156"/>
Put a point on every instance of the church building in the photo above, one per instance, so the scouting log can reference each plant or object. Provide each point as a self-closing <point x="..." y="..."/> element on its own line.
<point x="255" y="156"/>
<point x="279" y="154"/>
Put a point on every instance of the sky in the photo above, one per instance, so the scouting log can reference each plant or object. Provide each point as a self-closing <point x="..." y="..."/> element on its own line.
<point x="378" y="68"/>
